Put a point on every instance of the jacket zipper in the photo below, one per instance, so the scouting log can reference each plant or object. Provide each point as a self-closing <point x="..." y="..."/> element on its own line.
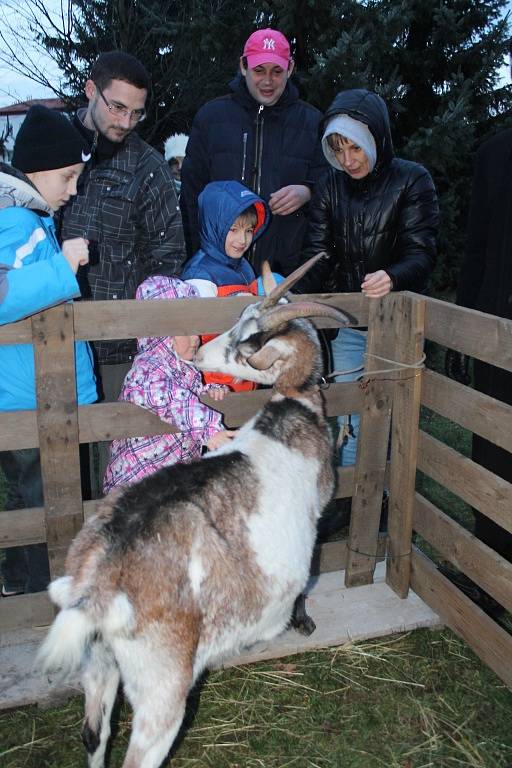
<point x="244" y="154"/>
<point x="258" y="152"/>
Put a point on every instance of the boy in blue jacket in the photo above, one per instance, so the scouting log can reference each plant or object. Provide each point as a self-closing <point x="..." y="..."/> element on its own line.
<point x="36" y="273"/>
<point x="231" y="218"/>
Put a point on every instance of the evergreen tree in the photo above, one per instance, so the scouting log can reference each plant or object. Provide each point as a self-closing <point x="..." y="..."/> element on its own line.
<point x="435" y="62"/>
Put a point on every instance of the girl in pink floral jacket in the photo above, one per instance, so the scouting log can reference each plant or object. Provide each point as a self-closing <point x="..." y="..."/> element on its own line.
<point x="164" y="380"/>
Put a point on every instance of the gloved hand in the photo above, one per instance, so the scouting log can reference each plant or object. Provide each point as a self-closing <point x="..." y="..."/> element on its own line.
<point x="456" y="366"/>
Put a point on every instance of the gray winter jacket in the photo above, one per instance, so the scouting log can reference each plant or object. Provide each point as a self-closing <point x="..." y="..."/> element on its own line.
<point x="127" y="206"/>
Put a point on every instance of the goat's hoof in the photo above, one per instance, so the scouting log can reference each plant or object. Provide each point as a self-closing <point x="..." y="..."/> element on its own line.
<point x="301" y="620"/>
<point x="305" y="626"/>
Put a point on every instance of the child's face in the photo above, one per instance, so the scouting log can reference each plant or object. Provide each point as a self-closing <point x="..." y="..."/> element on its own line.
<point x="186" y="346"/>
<point x="57" y="185"/>
<point x="239" y="238"/>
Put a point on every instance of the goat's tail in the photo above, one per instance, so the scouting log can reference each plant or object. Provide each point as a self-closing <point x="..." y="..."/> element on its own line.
<point x="75" y="626"/>
<point x="63" y="649"/>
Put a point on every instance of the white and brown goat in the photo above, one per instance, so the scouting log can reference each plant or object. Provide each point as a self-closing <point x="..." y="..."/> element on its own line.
<point x="182" y="570"/>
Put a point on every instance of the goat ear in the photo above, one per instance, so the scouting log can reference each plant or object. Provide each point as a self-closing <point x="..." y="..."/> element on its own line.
<point x="269" y="282"/>
<point x="264" y="357"/>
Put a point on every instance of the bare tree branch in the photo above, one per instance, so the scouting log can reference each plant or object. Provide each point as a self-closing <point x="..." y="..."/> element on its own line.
<point x="23" y="27"/>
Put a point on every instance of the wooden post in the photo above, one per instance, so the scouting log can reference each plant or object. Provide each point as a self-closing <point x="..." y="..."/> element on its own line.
<point x="372" y="446"/>
<point x="409" y="323"/>
<point x="57" y="421"/>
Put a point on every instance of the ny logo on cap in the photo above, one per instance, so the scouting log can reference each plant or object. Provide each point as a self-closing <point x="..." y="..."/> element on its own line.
<point x="269" y="44"/>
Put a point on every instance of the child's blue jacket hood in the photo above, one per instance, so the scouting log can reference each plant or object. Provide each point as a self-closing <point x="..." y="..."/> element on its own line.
<point x="220" y="203"/>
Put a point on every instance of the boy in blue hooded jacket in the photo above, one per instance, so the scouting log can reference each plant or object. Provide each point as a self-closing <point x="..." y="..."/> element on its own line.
<point x="231" y="218"/>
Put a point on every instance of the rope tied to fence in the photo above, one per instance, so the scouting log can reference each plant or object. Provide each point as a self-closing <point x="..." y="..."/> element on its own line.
<point x="387" y="556"/>
<point x="366" y="377"/>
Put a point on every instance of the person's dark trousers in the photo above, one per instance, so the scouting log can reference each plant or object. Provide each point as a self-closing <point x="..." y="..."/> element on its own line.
<point x="24" y="569"/>
<point x="496" y="383"/>
<point x="111" y="380"/>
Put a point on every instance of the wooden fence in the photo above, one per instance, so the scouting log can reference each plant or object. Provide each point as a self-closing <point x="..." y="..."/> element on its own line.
<point x="388" y="400"/>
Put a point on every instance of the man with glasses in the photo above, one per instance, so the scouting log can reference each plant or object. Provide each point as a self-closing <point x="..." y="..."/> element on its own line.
<point x="126" y="206"/>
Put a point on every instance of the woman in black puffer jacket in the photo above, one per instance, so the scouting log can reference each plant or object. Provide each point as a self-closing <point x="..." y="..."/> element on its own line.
<point x="375" y="215"/>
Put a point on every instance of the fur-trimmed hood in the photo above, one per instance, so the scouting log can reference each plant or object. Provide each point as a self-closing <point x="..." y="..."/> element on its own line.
<point x="16" y="190"/>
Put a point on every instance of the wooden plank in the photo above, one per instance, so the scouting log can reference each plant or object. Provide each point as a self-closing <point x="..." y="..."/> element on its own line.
<point x="372" y="447"/>
<point x="341" y="615"/>
<point x="474" y="558"/>
<point x="107" y="421"/>
<point x="409" y="321"/>
<point x="19" y="527"/>
<point x="35" y="610"/>
<point x="332" y="555"/>
<point x="21" y="611"/>
<point x="473" y="410"/>
<point x="474" y="484"/>
<point x="344" y="482"/>
<point x="57" y="419"/>
<point x="463" y="329"/>
<point x="346" y="616"/>
<point x="486" y="638"/>
<point x="27" y="526"/>
<point x="100" y="319"/>
<point x="18" y="429"/>
<point x="16" y="333"/>
<point x="238" y="407"/>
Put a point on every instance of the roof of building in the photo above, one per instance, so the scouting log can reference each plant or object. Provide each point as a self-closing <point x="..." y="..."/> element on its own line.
<point x="22" y="107"/>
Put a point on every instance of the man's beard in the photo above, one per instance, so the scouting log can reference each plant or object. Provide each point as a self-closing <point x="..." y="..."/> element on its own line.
<point x="112" y="133"/>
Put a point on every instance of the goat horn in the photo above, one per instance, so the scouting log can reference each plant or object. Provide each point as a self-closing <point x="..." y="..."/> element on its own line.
<point x="285" y="286"/>
<point x="295" y="309"/>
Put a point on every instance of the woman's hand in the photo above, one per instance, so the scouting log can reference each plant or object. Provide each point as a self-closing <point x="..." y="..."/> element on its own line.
<point x="376" y="284"/>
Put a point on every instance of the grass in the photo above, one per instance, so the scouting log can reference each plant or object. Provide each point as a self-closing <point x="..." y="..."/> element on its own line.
<point x="415" y="700"/>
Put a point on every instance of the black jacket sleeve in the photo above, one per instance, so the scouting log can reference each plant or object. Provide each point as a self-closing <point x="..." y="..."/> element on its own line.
<point x="319" y="238"/>
<point x="417" y="227"/>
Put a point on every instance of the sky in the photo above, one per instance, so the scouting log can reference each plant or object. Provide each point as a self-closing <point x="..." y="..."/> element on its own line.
<point x="15" y="87"/>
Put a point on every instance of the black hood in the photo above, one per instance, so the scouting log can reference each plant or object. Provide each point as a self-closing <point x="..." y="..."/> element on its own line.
<point x="369" y="108"/>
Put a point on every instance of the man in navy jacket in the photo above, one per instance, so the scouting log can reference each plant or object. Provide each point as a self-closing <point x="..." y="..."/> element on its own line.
<point x="263" y="135"/>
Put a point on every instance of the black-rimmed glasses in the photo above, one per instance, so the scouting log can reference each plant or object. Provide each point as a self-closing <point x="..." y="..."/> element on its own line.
<point x="134" y="115"/>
